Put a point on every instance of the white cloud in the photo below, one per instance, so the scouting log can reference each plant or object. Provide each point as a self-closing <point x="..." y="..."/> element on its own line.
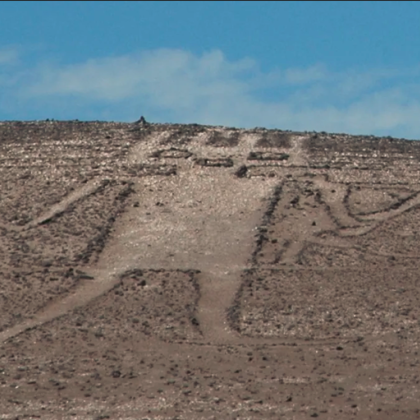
<point x="179" y="86"/>
<point x="299" y="76"/>
<point x="8" y="55"/>
<point x="160" y="73"/>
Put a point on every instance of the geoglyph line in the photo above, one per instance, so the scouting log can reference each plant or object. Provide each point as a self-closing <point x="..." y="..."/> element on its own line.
<point x="217" y="230"/>
<point x="89" y="188"/>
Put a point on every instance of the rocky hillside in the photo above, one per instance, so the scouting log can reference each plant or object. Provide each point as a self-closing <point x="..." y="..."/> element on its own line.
<point x="187" y="271"/>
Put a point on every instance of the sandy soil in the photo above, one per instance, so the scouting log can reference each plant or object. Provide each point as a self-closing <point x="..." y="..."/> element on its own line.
<point x="190" y="272"/>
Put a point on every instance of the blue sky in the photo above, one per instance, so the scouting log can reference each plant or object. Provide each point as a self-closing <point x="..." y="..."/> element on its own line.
<point x="349" y="67"/>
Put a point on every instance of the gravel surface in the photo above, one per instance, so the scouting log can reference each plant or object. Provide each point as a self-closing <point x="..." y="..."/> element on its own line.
<point x="164" y="271"/>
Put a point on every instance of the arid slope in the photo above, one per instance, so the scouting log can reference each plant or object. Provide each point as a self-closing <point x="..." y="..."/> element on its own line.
<point x="196" y="272"/>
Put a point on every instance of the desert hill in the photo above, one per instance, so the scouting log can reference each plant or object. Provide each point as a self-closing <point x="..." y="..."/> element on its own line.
<point x="196" y="272"/>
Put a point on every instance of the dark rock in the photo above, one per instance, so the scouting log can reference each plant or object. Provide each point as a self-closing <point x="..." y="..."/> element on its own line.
<point x="221" y="162"/>
<point x="241" y="171"/>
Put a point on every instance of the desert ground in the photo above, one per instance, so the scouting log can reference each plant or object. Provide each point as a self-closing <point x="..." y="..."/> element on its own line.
<point x="167" y="271"/>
